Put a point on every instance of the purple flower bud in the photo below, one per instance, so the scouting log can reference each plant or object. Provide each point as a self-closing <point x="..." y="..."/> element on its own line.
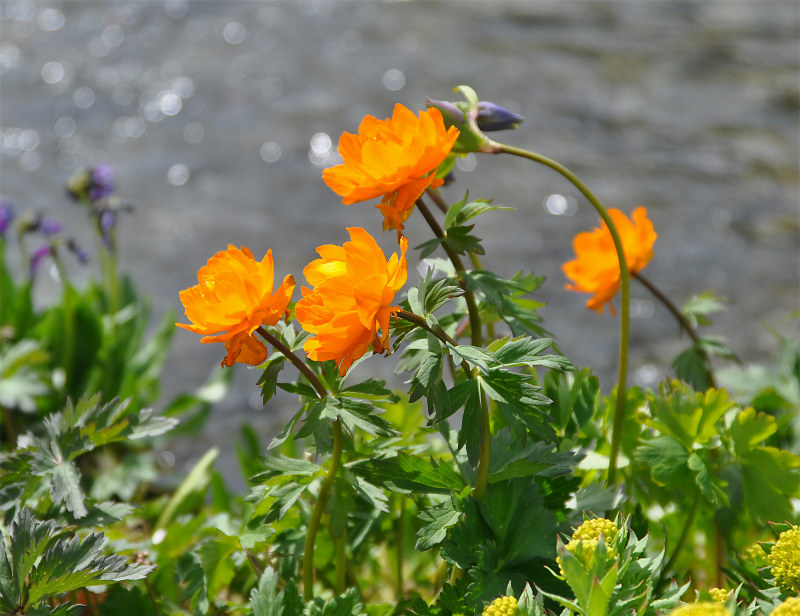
<point x="6" y="215"/>
<point x="448" y="109"/>
<point x="48" y="226"/>
<point x="102" y="182"/>
<point x="38" y="255"/>
<point x="493" y="117"/>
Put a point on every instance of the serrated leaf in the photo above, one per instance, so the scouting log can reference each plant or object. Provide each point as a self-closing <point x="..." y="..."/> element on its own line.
<point x="409" y="474"/>
<point x="437" y="518"/>
<point x="666" y="458"/>
<point x="266" y="600"/>
<point x="476" y="357"/>
<point x="750" y="428"/>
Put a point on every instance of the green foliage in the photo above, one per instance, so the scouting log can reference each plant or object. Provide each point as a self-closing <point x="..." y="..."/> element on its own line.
<point x="40" y="560"/>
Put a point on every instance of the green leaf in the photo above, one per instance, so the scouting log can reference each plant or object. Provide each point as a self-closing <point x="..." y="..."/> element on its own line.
<point x="691" y="366"/>
<point x="691" y="417"/>
<point x="699" y="306"/>
<point x="462" y="211"/>
<point x="355" y="413"/>
<point x="525" y="351"/>
<point x="410" y="474"/>
<point x="666" y="458"/>
<point x="469" y="393"/>
<point x="771" y="479"/>
<point x="370" y="389"/>
<point x="22" y="379"/>
<point x="269" y="378"/>
<point x="476" y="357"/>
<point x="266" y="600"/>
<point x="437" y="519"/>
<point x="750" y="428"/>
<point x="65" y="488"/>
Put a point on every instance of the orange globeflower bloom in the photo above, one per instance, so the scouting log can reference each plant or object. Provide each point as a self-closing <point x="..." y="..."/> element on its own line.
<point x="395" y="159"/>
<point x="596" y="268"/>
<point x="354" y="287"/>
<point x="234" y="297"/>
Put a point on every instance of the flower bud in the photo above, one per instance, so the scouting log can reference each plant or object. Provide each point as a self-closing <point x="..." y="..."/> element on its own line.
<point x="492" y="117"/>
<point x="101" y="183"/>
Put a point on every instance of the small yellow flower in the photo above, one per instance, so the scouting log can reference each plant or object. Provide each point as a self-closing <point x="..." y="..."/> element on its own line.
<point x="784" y="558"/>
<point x="719" y="595"/>
<point x="790" y="607"/>
<point x="704" y="608"/>
<point x="502" y="606"/>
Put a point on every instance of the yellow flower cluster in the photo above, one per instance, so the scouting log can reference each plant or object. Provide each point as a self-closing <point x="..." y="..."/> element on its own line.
<point x="502" y="606"/>
<point x="719" y="595"/>
<point x="584" y="539"/>
<point x="790" y="607"/>
<point x="754" y="553"/>
<point x="592" y="529"/>
<point x="704" y="608"/>
<point x="784" y="558"/>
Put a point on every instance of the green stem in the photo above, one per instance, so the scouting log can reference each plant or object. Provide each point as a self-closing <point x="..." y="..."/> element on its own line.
<point x="341" y="562"/>
<point x="295" y="360"/>
<point x="401" y="540"/>
<point x="624" y="334"/>
<point x="682" y="321"/>
<point x="482" y="479"/>
<point x="458" y="264"/>
<point x="687" y="527"/>
<point x="319" y="509"/>
<point x="327" y="484"/>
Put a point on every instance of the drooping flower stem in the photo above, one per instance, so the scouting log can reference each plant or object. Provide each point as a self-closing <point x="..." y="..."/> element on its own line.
<point x="624" y="334"/>
<point x="682" y="321"/>
<point x="333" y="469"/>
<point x="458" y="264"/>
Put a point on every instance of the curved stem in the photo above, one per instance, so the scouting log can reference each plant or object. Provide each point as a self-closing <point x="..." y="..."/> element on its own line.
<point x="458" y="264"/>
<point x="682" y="321"/>
<point x="319" y="509"/>
<point x="624" y="334"/>
<point x="296" y="361"/>
<point x="687" y="527"/>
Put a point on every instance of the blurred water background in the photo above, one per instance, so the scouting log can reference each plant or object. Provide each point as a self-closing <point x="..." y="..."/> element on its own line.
<point x="219" y="116"/>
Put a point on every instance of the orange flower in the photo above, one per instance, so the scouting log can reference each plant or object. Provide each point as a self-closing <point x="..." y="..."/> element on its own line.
<point x="395" y="159"/>
<point x="596" y="268"/>
<point x="354" y="287"/>
<point x="234" y="297"/>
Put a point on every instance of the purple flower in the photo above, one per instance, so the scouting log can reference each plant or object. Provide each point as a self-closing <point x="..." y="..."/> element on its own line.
<point x="38" y="255"/>
<point x="48" y="226"/>
<point x="6" y="215"/>
<point x="493" y="117"/>
<point x="101" y="184"/>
